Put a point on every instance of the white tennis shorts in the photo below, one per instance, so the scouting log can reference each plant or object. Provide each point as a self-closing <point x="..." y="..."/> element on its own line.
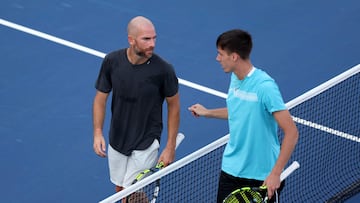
<point x="123" y="169"/>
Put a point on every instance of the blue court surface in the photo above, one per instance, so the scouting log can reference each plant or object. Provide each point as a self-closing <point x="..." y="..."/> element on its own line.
<point x="47" y="87"/>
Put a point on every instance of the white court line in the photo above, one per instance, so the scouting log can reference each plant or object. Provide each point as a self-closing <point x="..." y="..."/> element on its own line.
<point x="181" y="81"/>
<point x="97" y="53"/>
<point x="51" y="38"/>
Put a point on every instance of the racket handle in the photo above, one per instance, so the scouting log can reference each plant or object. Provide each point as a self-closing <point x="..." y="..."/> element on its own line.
<point x="295" y="165"/>
<point x="179" y="138"/>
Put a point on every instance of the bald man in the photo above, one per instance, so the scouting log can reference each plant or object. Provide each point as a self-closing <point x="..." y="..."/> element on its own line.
<point x="140" y="82"/>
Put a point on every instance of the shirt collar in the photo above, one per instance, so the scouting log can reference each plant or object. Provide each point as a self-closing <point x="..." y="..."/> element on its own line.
<point x="251" y="72"/>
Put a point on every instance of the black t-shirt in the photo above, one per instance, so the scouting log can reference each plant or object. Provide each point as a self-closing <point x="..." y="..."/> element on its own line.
<point x="138" y="93"/>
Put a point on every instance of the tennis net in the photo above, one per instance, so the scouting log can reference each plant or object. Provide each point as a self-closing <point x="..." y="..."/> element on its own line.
<point x="328" y="119"/>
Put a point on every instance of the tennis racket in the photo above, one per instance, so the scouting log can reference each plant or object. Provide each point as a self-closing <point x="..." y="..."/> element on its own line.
<point x="140" y="196"/>
<point x="257" y="194"/>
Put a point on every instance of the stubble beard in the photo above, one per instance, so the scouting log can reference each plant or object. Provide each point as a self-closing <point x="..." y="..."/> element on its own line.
<point x="144" y="54"/>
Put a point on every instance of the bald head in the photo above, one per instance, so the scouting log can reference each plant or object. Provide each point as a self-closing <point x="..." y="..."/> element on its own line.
<point x="141" y="38"/>
<point x="137" y="24"/>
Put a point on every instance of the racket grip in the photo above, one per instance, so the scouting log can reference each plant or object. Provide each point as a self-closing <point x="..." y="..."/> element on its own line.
<point x="179" y="138"/>
<point x="295" y="165"/>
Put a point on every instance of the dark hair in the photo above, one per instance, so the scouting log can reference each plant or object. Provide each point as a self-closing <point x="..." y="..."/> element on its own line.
<point x="236" y="40"/>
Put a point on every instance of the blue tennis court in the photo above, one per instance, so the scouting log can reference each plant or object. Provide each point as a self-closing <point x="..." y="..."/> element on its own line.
<point x="49" y="67"/>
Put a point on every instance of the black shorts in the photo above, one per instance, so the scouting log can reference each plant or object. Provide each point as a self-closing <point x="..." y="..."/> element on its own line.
<point x="229" y="183"/>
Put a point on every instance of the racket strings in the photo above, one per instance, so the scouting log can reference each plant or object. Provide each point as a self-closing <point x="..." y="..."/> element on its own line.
<point x="246" y="195"/>
<point x="140" y="196"/>
<point x="234" y="198"/>
<point x="148" y="172"/>
<point x="147" y="195"/>
<point x="252" y="196"/>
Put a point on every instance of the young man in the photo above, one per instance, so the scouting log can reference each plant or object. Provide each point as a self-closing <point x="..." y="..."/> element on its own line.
<point x="140" y="82"/>
<point x="254" y="110"/>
